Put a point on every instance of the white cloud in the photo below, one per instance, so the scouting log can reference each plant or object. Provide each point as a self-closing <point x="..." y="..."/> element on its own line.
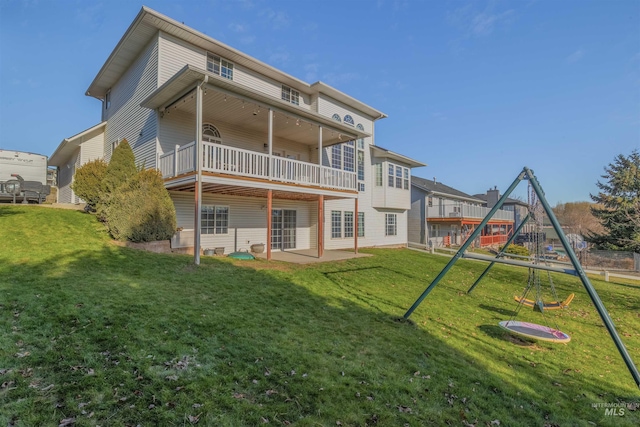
<point x="279" y="57"/>
<point x="278" y="20"/>
<point x="479" y="24"/>
<point x="340" y="78"/>
<point x="575" y="56"/>
<point x="238" y="28"/>
<point x="247" y="39"/>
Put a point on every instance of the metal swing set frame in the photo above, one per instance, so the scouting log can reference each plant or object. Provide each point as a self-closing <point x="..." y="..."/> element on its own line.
<point x="577" y="270"/>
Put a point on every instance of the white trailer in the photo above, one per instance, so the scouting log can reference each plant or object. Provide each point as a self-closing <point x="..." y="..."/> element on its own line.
<point x="30" y="166"/>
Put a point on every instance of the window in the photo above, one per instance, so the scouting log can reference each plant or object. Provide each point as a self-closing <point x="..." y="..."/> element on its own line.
<point x="360" y="127"/>
<point x="360" y="165"/>
<point x="391" y="175"/>
<point x="378" y="170"/>
<point x="457" y="206"/>
<point x="348" y="224"/>
<point x="406" y="178"/>
<point x="290" y="95"/>
<point x="114" y="145"/>
<point x="391" y="224"/>
<point x="435" y="230"/>
<point x="336" y="117"/>
<point x="336" y="157"/>
<point x="348" y="157"/>
<point x="336" y="224"/>
<point x="360" y="224"/>
<point x="219" y="66"/>
<point x="361" y="186"/>
<point x="211" y="134"/>
<point x="107" y="100"/>
<point x="214" y="220"/>
<point x="430" y="201"/>
<point x="361" y="144"/>
<point x="398" y="177"/>
<point x="348" y="120"/>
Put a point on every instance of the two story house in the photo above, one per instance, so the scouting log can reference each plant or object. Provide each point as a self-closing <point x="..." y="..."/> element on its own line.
<point x="443" y="216"/>
<point x="248" y="153"/>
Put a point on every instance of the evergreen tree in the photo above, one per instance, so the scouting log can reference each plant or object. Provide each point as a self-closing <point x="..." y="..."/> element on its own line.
<point x="87" y="182"/>
<point x="619" y="212"/>
<point x="122" y="167"/>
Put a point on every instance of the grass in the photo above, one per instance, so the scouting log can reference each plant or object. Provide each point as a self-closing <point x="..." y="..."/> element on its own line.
<point x="108" y="335"/>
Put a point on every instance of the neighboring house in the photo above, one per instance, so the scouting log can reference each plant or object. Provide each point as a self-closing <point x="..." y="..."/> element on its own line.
<point x="277" y="160"/>
<point x="519" y="208"/>
<point x="73" y="152"/>
<point x="443" y="216"/>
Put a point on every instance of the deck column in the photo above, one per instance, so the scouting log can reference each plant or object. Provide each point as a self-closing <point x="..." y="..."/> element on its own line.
<point x="320" y="226"/>
<point x="355" y="226"/>
<point x="270" y="144"/>
<point x="198" y="188"/>
<point x="320" y="155"/>
<point x="269" y="206"/>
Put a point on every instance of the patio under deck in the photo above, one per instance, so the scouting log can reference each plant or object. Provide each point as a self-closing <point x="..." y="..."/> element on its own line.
<point x="310" y="256"/>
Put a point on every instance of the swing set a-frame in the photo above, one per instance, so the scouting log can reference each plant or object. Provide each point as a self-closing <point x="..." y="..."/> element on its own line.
<point x="577" y="270"/>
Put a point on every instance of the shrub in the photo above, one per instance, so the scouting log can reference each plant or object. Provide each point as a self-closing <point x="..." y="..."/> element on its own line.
<point x="87" y="182"/>
<point x="140" y="210"/>
<point x="122" y="167"/>
<point x="516" y="250"/>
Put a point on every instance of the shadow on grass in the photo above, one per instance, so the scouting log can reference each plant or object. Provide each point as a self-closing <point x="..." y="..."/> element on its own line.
<point x="144" y="338"/>
<point x="499" y="310"/>
<point x="497" y="332"/>
<point x="8" y="209"/>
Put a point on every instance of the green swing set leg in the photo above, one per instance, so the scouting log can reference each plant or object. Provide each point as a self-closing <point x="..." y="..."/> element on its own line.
<point x="465" y="245"/>
<point x="595" y="298"/>
<point x="501" y="253"/>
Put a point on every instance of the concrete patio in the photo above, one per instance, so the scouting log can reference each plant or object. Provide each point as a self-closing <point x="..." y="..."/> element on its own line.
<point x="310" y="256"/>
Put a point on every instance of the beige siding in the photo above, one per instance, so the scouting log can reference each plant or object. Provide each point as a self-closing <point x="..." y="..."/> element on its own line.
<point x="179" y="128"/>
<point x="65" y="178"/>
<point x="328" y="107"/>
<point x="247" y="220"/>
<point x="175" y="54"/>
<point x="126" y="119"/>
<point x="390" y="197"/>
<point x="92" y="148"/>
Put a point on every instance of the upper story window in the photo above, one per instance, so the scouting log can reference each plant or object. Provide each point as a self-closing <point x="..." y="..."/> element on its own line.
<point x="337" y="118"/>
<point x="107" y="100"/>
<point x="336" y="157"/>
<point x="219" y="66"/>
<point x="398" y="176"/>
<point x="343" y="156"/>
<point x="348" y="120"/>
<point x="359" y="126"/>
<point x="211" y="134"/>
<point x="290" y="95"/>
<point x="378" y="173"/>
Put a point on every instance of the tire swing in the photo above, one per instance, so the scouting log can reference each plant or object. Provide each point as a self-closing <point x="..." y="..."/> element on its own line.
<point x="533" y="330"/>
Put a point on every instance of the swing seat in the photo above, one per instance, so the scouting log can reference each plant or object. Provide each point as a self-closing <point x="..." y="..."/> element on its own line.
<point x="553" y="305"/>
<point x="534" y="331"/>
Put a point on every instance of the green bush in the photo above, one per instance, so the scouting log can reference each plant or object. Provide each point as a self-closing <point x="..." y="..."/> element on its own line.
<point x="122" y="167"/>
<point x="140" y="210"/>
<point x="87" y="182"/>
<point x="516" y="250"/>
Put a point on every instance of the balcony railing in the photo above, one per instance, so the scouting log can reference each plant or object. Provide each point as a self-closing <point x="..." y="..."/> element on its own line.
<point x="468" y="211"/>
<point x="236" y="161"/>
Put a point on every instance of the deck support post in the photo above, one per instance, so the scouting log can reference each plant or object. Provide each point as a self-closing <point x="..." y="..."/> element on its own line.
<point x="198" y="190"/>
<point x="269" y="207"/>
<point x="320" y="226"/>
<point x="355" y="225"/>
<point x="270" y="144"/>
<point x="320" y="155"/>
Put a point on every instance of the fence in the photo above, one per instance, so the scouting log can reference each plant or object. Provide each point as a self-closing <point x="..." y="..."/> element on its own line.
<point x="613" y="260"/>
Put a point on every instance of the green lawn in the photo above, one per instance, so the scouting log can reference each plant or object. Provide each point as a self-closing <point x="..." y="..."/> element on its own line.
<point x="111" y="336"/>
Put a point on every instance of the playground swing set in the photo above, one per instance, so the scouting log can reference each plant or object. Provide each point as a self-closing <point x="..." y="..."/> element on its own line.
<point x="538" y="206"/>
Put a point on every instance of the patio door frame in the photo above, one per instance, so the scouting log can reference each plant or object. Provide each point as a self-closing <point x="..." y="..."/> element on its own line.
<point x="283" y="229"/>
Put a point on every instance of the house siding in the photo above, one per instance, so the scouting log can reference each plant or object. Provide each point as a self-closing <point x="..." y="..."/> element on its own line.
<point x="327" y="107"/>
<point x="65" y="179"/>
<point x="176" y="53"/>
<point x="125" y="118"/>
<point x="92" y="148"/>
<point x="247" y="220"/>
<point x="416" y="218"/>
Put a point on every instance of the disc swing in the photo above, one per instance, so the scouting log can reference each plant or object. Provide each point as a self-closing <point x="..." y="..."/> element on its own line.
<point x="550" y="333"/>
<point x="533" y="330"/>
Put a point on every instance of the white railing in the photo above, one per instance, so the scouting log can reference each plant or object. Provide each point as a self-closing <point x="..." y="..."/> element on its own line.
<point x="237" y="161"/>
<point x="467" y="211"/>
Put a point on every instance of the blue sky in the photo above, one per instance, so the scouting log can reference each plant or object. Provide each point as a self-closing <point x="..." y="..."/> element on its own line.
<point x="476" y="89"/>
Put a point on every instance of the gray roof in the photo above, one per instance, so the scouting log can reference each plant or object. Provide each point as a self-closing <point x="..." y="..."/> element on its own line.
<point x="431" y="186"/>
<point x="509" y="200"/>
